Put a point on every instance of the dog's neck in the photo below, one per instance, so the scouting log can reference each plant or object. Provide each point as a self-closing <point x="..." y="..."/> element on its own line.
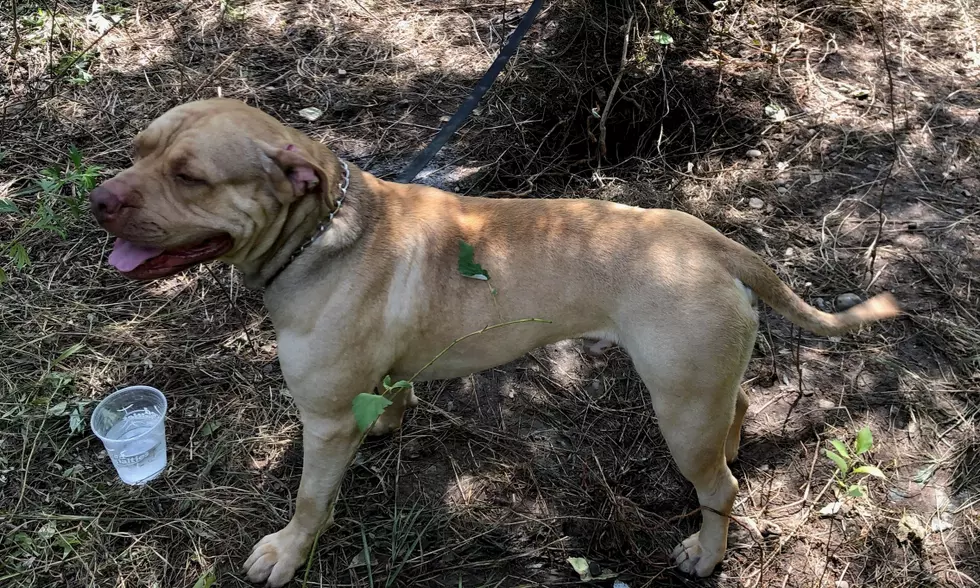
<point x="305" y="227"/>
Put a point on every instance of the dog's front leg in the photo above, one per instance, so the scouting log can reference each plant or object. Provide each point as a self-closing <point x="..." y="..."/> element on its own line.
<point x="328" y="443"/>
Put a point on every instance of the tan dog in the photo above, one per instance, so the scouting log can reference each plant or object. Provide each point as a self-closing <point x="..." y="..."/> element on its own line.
<point x="377" y="291"/>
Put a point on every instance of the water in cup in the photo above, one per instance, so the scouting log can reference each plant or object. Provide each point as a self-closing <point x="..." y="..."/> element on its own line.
<point x="145" y="456"/>
<point x="130" y="423"/>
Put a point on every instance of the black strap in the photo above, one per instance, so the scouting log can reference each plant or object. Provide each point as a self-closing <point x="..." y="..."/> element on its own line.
<point x="473" y="99"/>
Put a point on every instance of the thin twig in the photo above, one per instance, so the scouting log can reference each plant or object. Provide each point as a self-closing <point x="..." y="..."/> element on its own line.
<point x="309" y="558"/>
<point x="754" y="532"/>
<point x="16" y="45"/>
<point x="473" y="334"/>
<point x="872" y="253"/>
<point x="830" y="531"/>
<point x="615" y="87"/>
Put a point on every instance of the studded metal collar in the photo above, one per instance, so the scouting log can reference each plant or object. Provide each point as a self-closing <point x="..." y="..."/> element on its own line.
<point x="322" y="227"/>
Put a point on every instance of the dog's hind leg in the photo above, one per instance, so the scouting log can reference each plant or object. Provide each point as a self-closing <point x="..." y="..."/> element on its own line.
<point x="735" y="432"/>
<point x="694" y="386"/>
<point x="695" y="424"/>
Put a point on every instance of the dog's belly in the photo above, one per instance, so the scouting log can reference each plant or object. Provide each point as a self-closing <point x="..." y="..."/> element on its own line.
<point x="489" y="350"/>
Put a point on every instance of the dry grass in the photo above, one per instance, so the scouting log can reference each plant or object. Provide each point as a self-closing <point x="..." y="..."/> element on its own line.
<point x="870" y="184"/>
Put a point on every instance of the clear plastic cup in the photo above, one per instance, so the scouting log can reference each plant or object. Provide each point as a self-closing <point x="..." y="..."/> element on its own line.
<point x="130" y="423"/>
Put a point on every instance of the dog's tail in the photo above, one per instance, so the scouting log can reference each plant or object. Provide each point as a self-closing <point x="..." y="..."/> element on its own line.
<point x="754" y="273"/>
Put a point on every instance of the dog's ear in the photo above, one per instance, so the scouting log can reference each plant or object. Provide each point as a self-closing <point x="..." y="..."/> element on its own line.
<point x="305" y="176"/>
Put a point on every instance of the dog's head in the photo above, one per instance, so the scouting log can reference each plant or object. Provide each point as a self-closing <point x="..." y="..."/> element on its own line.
<point x="210" y="179"/>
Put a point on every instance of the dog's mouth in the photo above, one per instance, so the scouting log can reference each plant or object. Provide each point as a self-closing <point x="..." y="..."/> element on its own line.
<point x="139" y="262"/>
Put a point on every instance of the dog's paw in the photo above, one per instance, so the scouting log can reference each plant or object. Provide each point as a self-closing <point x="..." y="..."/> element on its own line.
<point x="690" y="558"/>
<point x="275" y="558"/>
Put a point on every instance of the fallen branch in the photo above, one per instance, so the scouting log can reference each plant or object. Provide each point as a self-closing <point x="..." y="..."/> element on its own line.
<point x="612" y="92"/>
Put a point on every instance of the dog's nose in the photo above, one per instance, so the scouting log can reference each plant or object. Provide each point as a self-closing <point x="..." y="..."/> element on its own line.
<point x="105" y="203"/>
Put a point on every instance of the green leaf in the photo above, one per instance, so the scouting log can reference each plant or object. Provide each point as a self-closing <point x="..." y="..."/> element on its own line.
<point x="49" y="185"/>
<point x="19" y="255"/>
<point x="58" y="409"/>
<point x="76" y="422"/>
<point x="67" y="353"/>
<point x="468" y="266"/>
<point x="67" y="541"/>
<point x="581" y="567"/>
<point x="864" y="441"/>
<point x="841" y="448"/>
<point x="662" y="38"/>
<point x="58" y="380"/>
<point x="89" y="178"/>
<point x="206" y="580"/>
<point x="870" y="470"/>
<point x="388" y="386"/>
<point x="3" y="276"/>
<point x="25" y="542"/>
<point x="76" y="156"/>
<point x="367" y="557"/>
<point x="8" y="207"/>
<point x="855" y="491"/>
<point x="45" y="226"/>
<point x="48" y="530"/>
<point x="82" y="77"/>
<point x="209" y="428"/>
<point x="367" y="409"/>
<point x="838" y="460"/>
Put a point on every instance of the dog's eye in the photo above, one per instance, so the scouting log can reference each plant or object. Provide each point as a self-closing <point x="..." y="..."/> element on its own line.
<point x="189" y="180"/>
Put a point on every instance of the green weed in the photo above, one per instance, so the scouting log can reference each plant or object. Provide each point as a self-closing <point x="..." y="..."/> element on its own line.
<point x="851" y="464"/>
<point x="59" y="199"/>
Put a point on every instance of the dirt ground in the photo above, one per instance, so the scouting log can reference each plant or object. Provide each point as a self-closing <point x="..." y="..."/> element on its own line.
<point x="840" y="140"/>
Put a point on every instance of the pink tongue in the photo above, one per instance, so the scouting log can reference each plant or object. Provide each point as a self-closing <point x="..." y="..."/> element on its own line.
<point x="127" y="256"/>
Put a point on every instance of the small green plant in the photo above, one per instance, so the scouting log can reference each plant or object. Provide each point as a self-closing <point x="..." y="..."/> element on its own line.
<point x="60" y="194"/>
<point x="75" y="65"/>
<point x="76" y="414"/>
<point x="851" y="464"/>
<point x="41" y="26"/>
<point x="206" y="580"/>
<point x="46" y="540"/>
